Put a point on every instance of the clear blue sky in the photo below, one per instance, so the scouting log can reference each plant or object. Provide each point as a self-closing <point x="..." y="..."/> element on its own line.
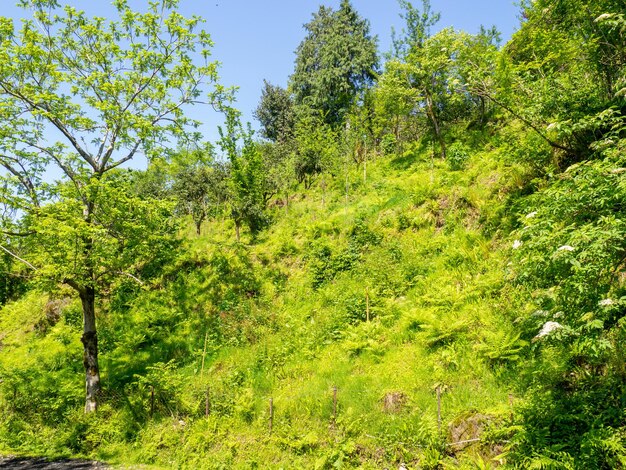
<point x="256" y="39"/>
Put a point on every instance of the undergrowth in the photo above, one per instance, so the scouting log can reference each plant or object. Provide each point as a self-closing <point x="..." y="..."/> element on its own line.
<point x="384" y="296"/>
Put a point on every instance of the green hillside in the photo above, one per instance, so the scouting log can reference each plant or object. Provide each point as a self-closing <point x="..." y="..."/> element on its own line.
<point x="386" y="294"/>
<point x="415" y="265"/>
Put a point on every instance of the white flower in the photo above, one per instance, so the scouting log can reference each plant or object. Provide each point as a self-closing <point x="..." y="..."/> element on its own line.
<point x="565" y="248"/>
<point x="516" y="244"/>
<point x="531" y="215"/>
<point x="548" y="328"/>
<point x="605" y="302"/>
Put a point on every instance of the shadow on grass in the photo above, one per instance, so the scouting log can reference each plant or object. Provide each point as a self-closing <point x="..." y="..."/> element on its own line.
<point x="45" y="464"/>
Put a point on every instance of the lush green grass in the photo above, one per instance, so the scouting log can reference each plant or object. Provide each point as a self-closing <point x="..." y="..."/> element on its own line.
<point x="386" y="292"/>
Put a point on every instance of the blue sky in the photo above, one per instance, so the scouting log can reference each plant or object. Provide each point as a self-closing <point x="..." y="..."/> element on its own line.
<point x="256" y="40"/>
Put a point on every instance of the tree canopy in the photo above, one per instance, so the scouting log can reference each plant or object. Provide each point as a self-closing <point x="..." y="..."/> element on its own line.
<point x="82" y="96"/>
<point x="335" y="62"/>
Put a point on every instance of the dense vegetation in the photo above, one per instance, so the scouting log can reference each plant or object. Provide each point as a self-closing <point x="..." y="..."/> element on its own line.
<point x="420" y="262"/>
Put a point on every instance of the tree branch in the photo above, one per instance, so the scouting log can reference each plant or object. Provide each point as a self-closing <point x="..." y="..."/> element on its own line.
<point x="483" y="93"/>
<point x="18" y="258"/>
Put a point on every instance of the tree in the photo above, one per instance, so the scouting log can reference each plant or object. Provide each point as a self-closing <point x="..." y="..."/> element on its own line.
<point x="334" y="63"/>
<point x="198" y="183"/>
<point x="431" y="72"/>
<point x="563" y="74"/>
<point x="200" y="191"/>
<point x="431" y="75"/>
<point x="247" y="178"/>
<point x="317" y="149"/>
<point x="84" y="96"/>
<point x="275" y="113"/>
<point x="418" y="24"/>
<point x="278" y="168"/>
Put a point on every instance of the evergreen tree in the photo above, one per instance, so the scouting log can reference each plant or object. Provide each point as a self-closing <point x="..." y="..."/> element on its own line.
<point x="334" y="63"/>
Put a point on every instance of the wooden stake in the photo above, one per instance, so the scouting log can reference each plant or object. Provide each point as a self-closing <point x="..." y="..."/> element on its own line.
<point x="335" y="404"/>
<point x="207" y="403"/>
<point x="206" y="337"/>
<point x="271" y="414"/>
<point x="367" y="304"/>
<point x="439" y="409"/>
<point x="151" y="400"/>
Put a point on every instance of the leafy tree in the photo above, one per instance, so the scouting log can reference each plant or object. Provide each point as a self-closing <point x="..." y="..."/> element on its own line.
<point x="279" y="168"/>
<point x="334" y="63"/>
<point x="431" y="72"/>
<point x="84" y="96"/>
<point x="563" y="73"/>
<point x="317" y="149"/>
<point x="275" y="113"/>
<point x="417" y="30"/>
<point x="247" y="178"/>
<point x="198" y="183"/>
<point x="201" y="190"/>
<point x="434" y="76"/>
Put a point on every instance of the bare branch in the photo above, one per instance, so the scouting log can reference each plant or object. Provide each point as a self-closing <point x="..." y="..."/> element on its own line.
<point x="134" y="278"/>
<point x="485" y="94"/>
<point x="125" y="159"/>
<point x="6" y="250"/>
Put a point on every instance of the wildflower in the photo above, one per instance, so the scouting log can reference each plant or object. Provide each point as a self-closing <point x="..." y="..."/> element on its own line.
<point x="547" y="328"/>
<point x="606" y="302"/>
<point x="565" y="248"/>
<point x="516" y="244"/>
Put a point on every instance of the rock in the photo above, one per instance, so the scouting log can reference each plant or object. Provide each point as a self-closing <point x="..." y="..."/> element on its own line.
<point x="394" y="402"/>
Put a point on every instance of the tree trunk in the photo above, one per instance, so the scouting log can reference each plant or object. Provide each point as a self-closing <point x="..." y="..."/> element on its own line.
<point x="237" y="231"/>
<point x="436" y="127"/>
<point x="365" y="165"/>
<point x="90" y="349"/>
<point x="482" y="111"/>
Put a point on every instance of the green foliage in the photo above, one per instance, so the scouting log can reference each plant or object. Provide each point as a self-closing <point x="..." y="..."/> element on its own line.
<point x="317" y="149"/>
<point x="334" y="63"/>
<point x="457" y="156"/>
<point x="495" y="275"/>
<point x="247" y="203"/>
<point x="83" y="96"/>
<point x="276" y="113"/>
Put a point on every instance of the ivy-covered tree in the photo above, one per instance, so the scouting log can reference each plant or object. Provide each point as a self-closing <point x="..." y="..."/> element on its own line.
<point x="335" y="62"/>
<point x="85" y="95"/>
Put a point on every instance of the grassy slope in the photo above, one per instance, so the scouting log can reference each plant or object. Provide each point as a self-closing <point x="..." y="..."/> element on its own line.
<point x="285" y="317"/>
